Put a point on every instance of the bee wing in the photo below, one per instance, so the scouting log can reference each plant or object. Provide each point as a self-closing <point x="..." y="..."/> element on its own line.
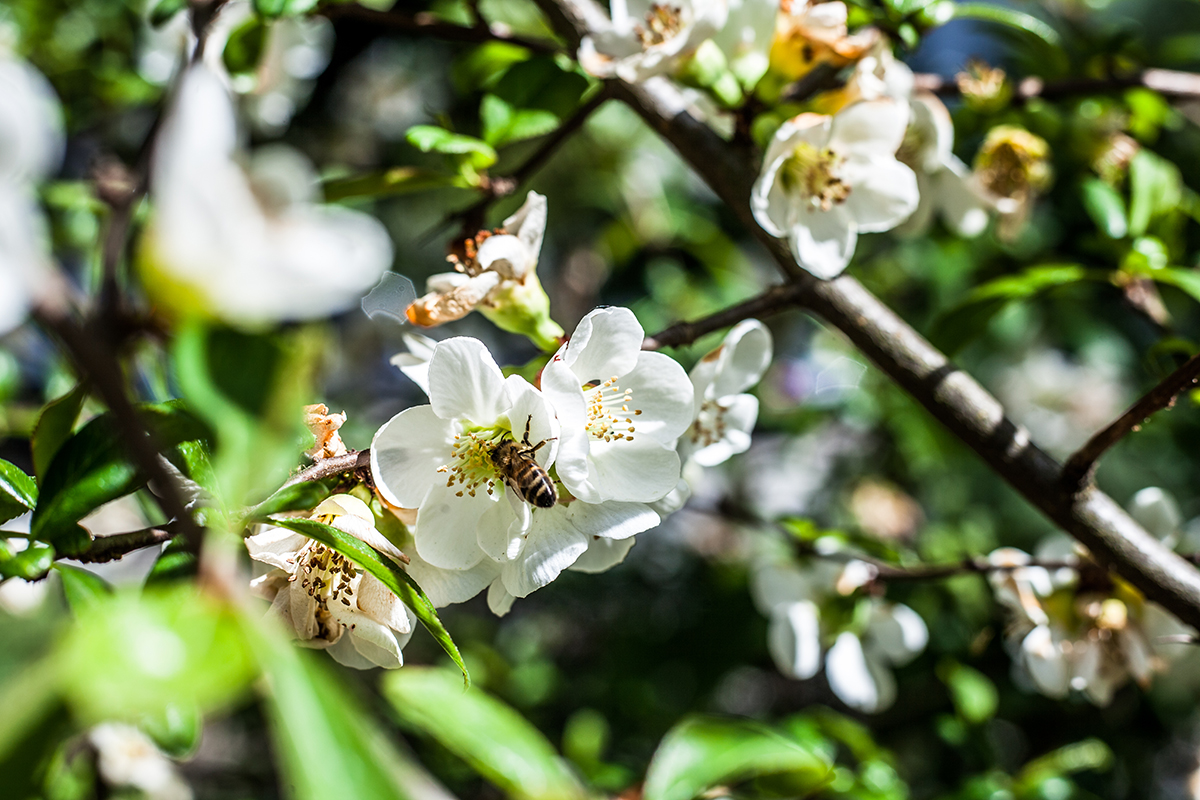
<point x="393" y="294"/>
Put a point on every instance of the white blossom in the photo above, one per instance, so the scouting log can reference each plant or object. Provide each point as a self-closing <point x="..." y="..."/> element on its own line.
<point x="746" y="36"/>
<point x="724" y="413"/>
<point x="644" y="39"/>
<point x="249" y="248"/>
<point x="329" y="602"/>
<point x="31" y="144"/>
<point x="825" y="179"/>
<point x="125" y="757"/>
<point x="621" y="409"/>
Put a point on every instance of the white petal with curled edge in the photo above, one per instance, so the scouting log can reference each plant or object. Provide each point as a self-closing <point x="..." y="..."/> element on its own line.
<point x="1045" y="663"/>
<point x="743" y="358"/>
<point x="415" y="363"/>
<point x="374" y="642"/>
<point x="793" y="639"/>
<point x="897" y="632"/>
<point x="464" y="382"/>
<point x="849" y="675"/>
<point x="605" y="344"/>
<point x="775" y="584"/>
<point x="406" y="453"/>
<point x="377" y="601"/>
<point x="869" y="128"/>
<point x="552" y="546"/>
<point x="505" y="255"/>
<point x="602" y="555"/>
<point x="276" y="546"/>
<point x="884" y="193"/>
<point x="447" y="525"/>
<point x="823" y="241"/>
<point x="612" y="520"/>
<point x="444" y="587"/>
<point x="739" y="418"/>
<point x="497" y="530"/>
<point x="528" y="223"/>
<point x="961" y="207"/>
<point x="498" y="598"/>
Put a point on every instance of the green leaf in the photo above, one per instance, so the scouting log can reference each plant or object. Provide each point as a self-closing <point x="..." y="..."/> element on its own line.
<point x="27" y="699"/>
<point x="1012" y="18"/>
<point x="18" y="492"/>
<point x="389" y="182"/>
<point x="328" y="746"/>
<point x="176" y="563"/>
<point x="432" y="139"/>
<point x="1105" y="206"/>
<point x="297" y="497"/>
<point x="281" y="8"/>
<point x="963" y="322"/>
<point x="974" y="695"/>
<point x="54" y="427"/>
<point x="503" y="124"/>
<point x="490" y="736"/>
<point x="165" y="10"/>
<point x="175" y="729"/>
<point x="1187" y="280"/>
<point x="387" y="571"/>
<point x="702" y="752"/>
<point x="1155" y="188"/>
<point x="92" y="469"/>
<point x="31" y="564"/>
<point x="541" y="83"/>
<point x="244" y="48"/>
<point x="482" y="67"/>
<point x="131" y="655"/>
<point x="83" y="589"/>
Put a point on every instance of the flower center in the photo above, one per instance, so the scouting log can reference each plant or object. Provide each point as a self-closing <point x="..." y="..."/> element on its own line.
<point x="609" y="416"/>
<point x="811" y="173"/>
<point x="662" y="22"/>
<point x="470" y="464"/>
<point x="326" y="576"/>
<point x="709" y="427"/>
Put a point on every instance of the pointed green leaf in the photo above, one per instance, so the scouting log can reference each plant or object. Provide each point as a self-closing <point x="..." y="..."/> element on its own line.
<point x="432" y="139"/>
<point x="165" y="10"/>
<point x="83" y="589"/>
<point x="1017" y="20"/>
<point x="389" y="182"/>
<point x="1155" y="188"/>
<point x="1182" y="278"/>
<point x="1105" y="206"/>
<point x="702" y="752"/>
<point x="387" y="571"/>
<point x="30" y="564"/>
<point x="493" y="738"/>
<point x="18" y="492"/>
<point x="54" y="427"/>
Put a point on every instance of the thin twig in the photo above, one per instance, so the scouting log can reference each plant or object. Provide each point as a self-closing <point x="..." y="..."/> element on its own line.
<point x="1169" y="83"/>
<point x="111" y="548"/>
<point x="1082" y="464"/>
<point x="772" y="301"/>
<point x="328" y="467"/>
<point x="425" y="24"/>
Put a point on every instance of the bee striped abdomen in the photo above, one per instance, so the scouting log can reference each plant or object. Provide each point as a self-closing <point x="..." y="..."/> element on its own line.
<point x="523" y="474"/>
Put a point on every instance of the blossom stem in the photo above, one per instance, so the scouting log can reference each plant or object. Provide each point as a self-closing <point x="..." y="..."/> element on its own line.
<point x="1081" y="466"/>
<point x="948" y="393"/>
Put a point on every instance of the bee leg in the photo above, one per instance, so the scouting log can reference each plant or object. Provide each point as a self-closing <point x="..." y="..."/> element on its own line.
<point x="528" y="422"/>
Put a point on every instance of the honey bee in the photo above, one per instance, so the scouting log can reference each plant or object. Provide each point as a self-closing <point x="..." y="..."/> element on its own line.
<point x="522" y="473"/>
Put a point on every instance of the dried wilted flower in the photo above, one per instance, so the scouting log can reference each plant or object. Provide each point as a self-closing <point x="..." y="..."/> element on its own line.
<point x="984" y="88"/>
<point x="1012" y="168"/>
<point x="324" y="426"/>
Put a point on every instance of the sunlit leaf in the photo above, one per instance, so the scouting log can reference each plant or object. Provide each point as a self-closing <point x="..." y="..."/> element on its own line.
<point x="244" y="48"/>
<point x="1155" y="188"/>
<point x="702" y="752"/>
<point x="493" y="738"/>
<point x="165" y="10"/>
<point x="1105" y="206"/>
<point x="1012" y="18"/>
<point x="18" y="492"/>
<point x="432" y="139"/>
<point x="389" y="182"/>
<point x="30" y="564"/>
<point x="83" y="589"/>
<point x="974" y="695"/>
<point x="387" y="571"/>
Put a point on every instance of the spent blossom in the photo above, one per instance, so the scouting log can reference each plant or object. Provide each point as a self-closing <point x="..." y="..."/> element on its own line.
<point x="127" y="758"/>
<point x="247" y="248"/>
<point x="644" y="39"/>
<point x="825" y="179"/>
<point x="496" y="274"/>
<point x="324" y="428"/>
<point x="328" y="601"/>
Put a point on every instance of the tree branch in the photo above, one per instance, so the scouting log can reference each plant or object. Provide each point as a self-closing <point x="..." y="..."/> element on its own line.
<point x="772" y="301"/>
<point x="111" y="548"/>
<point x="425" y="24"/>
<point x="949" y="394"/>
<point x="328" y="467"/>
<point x="1082" y="464"/>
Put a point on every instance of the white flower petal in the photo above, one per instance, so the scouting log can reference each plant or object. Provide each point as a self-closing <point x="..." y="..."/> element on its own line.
<point x="853" y="679"/>
<point x="640" y="471"/>
<point x="345" y="653"/>
<point x="377" y="601"/>
<point x="529" y="223"/>
<point x="964" y="211"/>
<point x="465" y="382"/>
<point x="612" y="520"/>
<point x="663" y="393"/>
<point x="498" y="598"/>
<point x="406" y="453"/>
<point x="606" y="343"/>
<point x="793" y="639"/>
<point x="823" y="241"/>
<point x="553" y="545"/>
<point x="897" y="632"/>
<point x="884" y="193"/>
<point x="739" y="416"/>
<point x="446" y="532"/>
<point x="870" y="128"/>
<point x="1044" y="661"/>
<point x="415" y="363"/>
<point x="374" y="642"/>
<point x="743" y="358"/>
<point x="602" y="555"/>
<point x="275" y="546"/>
<point x="505" y="255"/>
<point x="446" y="586"/>
<point x="529" y="406"/>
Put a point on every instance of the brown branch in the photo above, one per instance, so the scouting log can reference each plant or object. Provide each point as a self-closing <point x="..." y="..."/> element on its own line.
<point x="425" y="24"/>
<point x="328" y="467"/>
<point x="1169" y="83"/>
<point x="1082" y="464"/>
<point x="111" y="548"/>
<point x="96" y="363"/>
<point x="772" y="301"/>
<point x="953" y="397"/>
